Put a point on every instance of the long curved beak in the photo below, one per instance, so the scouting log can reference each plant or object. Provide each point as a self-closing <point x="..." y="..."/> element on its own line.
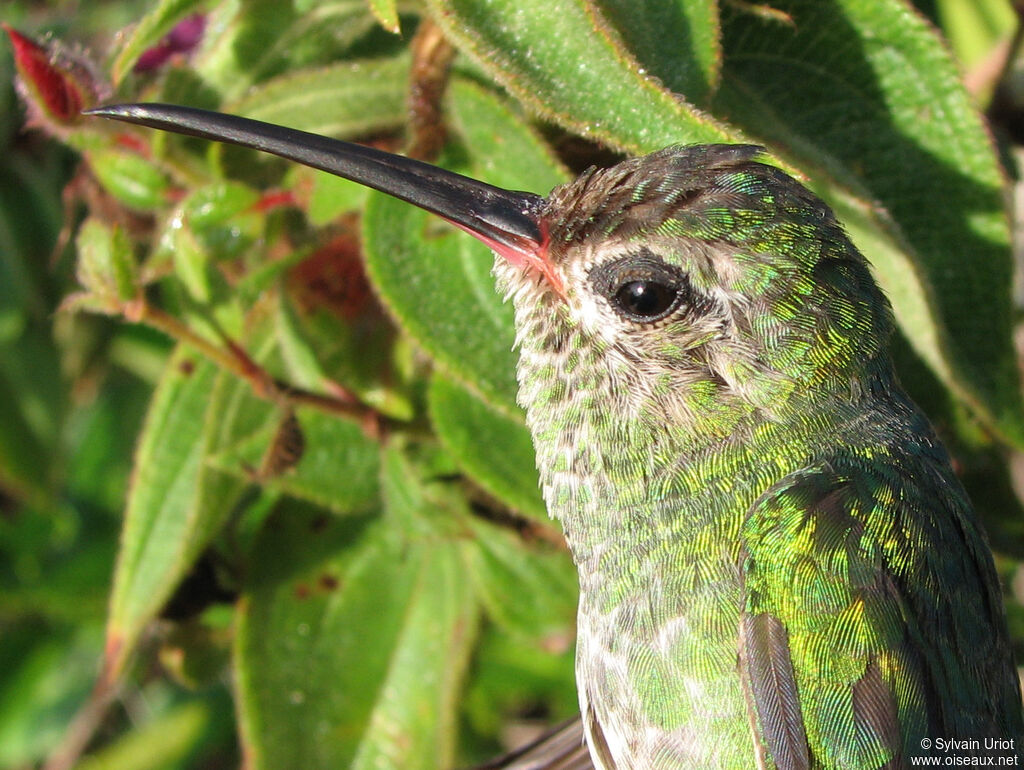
<point x="507" y="221"/>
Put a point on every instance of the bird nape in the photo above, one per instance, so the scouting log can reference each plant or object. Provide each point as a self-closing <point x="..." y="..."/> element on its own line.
<point x="777" y="564"/>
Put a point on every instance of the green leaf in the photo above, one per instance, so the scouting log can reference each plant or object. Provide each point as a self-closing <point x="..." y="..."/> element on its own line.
<point x="976" y="28"/>
<point x="24" y="467"/>
<point x="512" y="678"/>
<point x="177" y="501"/>
<point x="215" y="222"/>
<point x="351" y="646"/>
<point x="47" y="672"/>
<point x="240" y="46"/>
<point x="338" y="468"/>
<point x="133" y="180"/>
<point x="492" y="447"/>
<point x="677" y="42"/>
<point x="106" y="263"/>
<point x="30" y="219"/>
<point x="58" y="564"/>
<point x="502" y="149"/>
<point x="421" y="499"/>
<point x="340" y="336"/>
<point x="423" y="270"/>
<point x="251" y="42"/>
<point x="329" y="196"/>
<point x="386" y="14"/>
<point x="893" y="124"/>
<point x="563" y="60"/>
<point x="224" y="217"/>
<point x="191" y="263"/>
<point x="413" y="724"/>
<point x="167" y="740"/>
<point x="347" y="99"/>
<point x="528" y="588"/>
<point x="149" y="31"/>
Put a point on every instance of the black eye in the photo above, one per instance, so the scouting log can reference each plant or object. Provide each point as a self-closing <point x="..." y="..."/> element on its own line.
<point x="646" y="300"/>
<point x="643" y="288"/>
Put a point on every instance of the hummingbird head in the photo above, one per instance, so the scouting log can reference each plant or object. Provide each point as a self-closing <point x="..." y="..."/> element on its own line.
<point x="697" y="270"/>
<point x="693" y="270"/>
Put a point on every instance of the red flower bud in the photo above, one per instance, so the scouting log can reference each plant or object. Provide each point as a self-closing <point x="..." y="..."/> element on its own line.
<point x="55" y="85"/>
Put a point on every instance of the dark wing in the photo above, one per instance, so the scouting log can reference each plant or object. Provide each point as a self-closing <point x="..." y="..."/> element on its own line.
<point x="561" y="748"/>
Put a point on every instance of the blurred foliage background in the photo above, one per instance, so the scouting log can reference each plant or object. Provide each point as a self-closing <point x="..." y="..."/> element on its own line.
<point x="284" y="407"/>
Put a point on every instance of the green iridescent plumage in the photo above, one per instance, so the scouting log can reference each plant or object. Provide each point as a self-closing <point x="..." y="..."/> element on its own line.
<point x="777" y="565"/>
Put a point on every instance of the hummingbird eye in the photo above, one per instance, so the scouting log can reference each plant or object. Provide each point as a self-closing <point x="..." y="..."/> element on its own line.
<point x="641" y="287"/>
<point x="646" y="300"/>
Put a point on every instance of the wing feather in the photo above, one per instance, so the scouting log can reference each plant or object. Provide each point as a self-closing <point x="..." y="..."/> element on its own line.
<point x="771" y="684"/>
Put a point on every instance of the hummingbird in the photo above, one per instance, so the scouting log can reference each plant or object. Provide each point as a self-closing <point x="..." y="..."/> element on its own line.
<point x="778" y="567"/>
